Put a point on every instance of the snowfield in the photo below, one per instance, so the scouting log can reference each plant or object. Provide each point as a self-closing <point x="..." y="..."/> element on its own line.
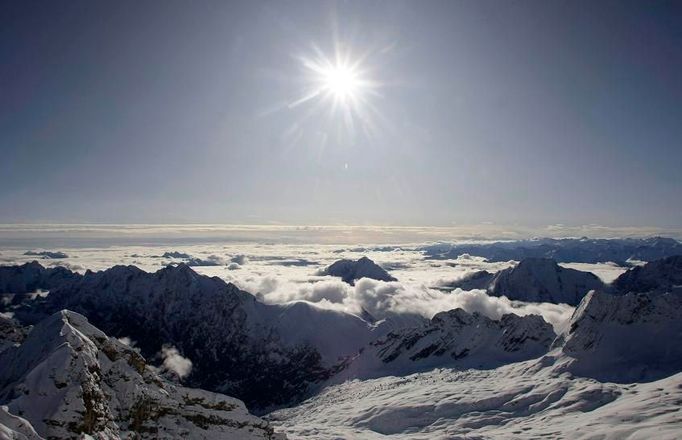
<point x="531" y="399"/>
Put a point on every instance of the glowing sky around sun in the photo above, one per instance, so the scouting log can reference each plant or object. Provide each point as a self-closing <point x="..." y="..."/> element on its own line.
<point x="316" y="112"/>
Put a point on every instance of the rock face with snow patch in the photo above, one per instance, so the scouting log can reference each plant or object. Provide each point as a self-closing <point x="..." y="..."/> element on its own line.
<point x="658" y="276"/>
<point x="350" y="271"/>
<point x="455" y="339"/>
<point x="68" y="379"/>
<point x="625" y="338"/>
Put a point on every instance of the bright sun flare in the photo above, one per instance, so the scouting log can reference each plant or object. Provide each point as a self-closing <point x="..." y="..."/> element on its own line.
<point x="342" y="81"/>
<point x="339" y="80"/>
<point x="339" y="85"/>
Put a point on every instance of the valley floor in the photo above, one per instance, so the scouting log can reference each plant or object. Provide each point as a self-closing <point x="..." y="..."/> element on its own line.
<point x="526" y="400"/>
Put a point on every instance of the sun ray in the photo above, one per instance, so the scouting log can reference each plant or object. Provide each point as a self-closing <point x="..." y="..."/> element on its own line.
<point x="341" y="83"/>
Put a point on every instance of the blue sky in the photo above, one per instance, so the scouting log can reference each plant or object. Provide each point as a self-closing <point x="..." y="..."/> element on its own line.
<point x="527" y="113"/>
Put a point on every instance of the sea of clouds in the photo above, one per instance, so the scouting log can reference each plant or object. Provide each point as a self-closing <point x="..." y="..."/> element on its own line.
<point x="282" y="273"/>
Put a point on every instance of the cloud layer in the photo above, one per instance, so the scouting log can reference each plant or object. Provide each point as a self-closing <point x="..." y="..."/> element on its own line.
<point x="278" y="273"/>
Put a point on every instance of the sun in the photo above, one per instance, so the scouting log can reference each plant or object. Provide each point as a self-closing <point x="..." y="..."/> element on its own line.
<point x="341" y="81"/>
<point x="340" y="78"/>
<point x="340" y="85"/>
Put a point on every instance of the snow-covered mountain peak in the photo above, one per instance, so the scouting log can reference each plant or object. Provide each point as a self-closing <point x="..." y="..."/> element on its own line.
<point x="68" y="379"/>
<point x="543" y="280"/>
<point x="533" y="279"/>
<point x="621" y="338"/>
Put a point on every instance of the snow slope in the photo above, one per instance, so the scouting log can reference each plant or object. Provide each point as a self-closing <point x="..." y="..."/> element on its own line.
<point x="625" y="338"/>
<point x="584" y="388"/>
<point x="526" y="400"/>
<point x="69" y="378"/>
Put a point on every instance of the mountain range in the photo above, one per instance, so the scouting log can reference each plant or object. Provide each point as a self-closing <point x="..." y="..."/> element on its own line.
<point x="64" y="370"/>
<point x="564" y="250"/>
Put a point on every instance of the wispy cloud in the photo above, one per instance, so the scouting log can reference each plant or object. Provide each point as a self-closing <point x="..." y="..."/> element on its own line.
<point x="175" y="362"/>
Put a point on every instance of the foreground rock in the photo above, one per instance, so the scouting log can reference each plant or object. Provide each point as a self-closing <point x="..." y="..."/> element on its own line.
<point x="350" y="271"/>
<point x="68" y="379"/>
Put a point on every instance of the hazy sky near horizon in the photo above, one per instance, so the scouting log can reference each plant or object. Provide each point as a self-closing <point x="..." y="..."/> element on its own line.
<point x="512" y="112"/>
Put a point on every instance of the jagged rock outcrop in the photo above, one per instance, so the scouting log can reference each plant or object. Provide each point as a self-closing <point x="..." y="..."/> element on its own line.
<point x="454" y="339"/>
<point x="660" y="276"/>
<point x="68" y="379"/>
<point x="625" y="338"/>
<point x="350" y="271"/>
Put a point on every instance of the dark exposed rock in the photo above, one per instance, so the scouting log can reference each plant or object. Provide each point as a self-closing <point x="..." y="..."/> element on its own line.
<point x="350" y="271"/>
<point x="658" y="276"/>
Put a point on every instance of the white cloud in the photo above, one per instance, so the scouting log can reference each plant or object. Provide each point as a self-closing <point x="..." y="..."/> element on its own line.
<point x="382" y="298"/>
<point x="413" y="292"/>
<point x="174" y="361"/>
<point x="126" y="341"/>
<point x="331" y="290"/>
